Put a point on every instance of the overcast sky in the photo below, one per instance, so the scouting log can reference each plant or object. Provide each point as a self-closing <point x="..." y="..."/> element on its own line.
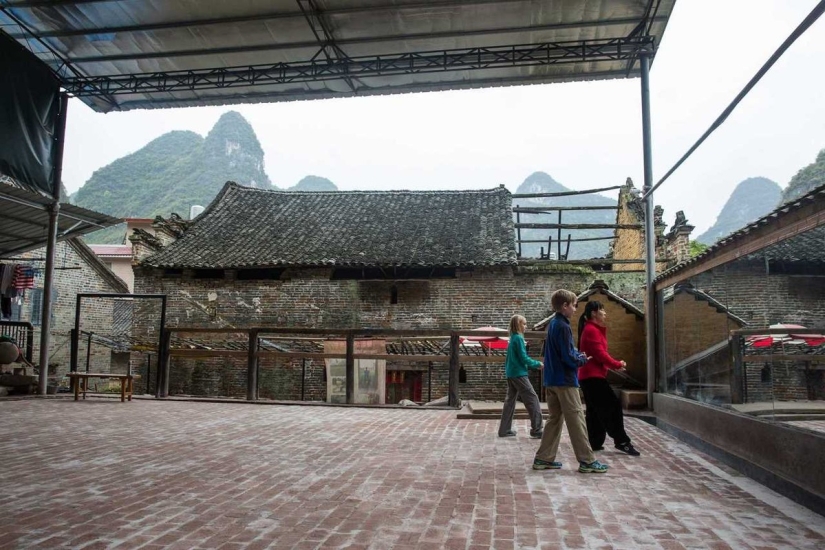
<point x="584" y="135"/>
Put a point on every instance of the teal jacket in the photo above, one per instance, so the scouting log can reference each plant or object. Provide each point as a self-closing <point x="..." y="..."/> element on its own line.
<point x="517" y="362"/>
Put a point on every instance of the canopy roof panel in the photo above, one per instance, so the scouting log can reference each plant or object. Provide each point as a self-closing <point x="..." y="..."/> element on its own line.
<point x="121" y="55"/>
<point x="24" y="223"/>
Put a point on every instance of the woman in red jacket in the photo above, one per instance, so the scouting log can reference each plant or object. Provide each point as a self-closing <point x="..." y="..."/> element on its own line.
<point x="604" y="411"/>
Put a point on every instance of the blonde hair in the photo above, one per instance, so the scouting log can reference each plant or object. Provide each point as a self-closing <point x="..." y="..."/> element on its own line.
<point x="514" y="328"/>
<point x="561" y="297"/>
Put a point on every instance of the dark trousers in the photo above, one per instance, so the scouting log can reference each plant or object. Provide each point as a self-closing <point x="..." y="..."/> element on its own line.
<point x="604" y="413"/>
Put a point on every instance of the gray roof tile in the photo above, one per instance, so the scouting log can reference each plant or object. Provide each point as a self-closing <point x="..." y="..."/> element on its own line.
<point x="247" y="227"/>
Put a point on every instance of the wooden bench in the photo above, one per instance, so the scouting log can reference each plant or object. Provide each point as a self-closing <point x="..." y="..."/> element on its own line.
<point x="80" y="381"/>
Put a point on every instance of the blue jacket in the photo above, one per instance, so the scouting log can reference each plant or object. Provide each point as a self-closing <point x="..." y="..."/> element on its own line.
<point x="561" y="359"/>
<point x="517" y="361"/>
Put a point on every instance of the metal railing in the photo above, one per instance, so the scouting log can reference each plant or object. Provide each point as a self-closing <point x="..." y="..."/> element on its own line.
<point x="21" y="331"/>
<point x="253" y="336"/>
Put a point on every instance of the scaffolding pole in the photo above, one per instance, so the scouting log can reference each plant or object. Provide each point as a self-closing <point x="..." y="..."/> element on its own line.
<point x="650" y="236"/>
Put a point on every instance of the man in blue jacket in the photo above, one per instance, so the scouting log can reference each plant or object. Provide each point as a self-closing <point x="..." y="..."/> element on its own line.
<point x="561" y="364"/>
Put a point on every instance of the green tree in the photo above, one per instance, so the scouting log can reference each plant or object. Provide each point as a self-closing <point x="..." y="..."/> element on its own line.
<point x="697" y="248"/>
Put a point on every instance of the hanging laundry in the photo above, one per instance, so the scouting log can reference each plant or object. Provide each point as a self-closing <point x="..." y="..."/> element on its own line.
<point x="6" y="276"/>
<point x="23" y="277"/>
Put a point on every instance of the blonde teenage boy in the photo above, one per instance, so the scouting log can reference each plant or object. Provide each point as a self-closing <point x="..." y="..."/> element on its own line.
<point x="561" y="364"/>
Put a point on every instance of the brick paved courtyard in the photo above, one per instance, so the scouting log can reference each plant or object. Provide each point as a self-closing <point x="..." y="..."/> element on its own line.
<point x="150" y="474"/>
<point x="815" y="425"/>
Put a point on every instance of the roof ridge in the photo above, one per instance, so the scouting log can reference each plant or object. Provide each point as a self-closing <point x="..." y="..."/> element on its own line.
<point x="371" y="192"/>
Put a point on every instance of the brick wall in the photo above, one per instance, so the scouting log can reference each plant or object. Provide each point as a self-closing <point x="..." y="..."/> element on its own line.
<point x="73" y="275"/>
<point x="692" y="325"/>
<point x="309" y="298"/>
<point x="760" y="298"/>
<point x="625" y="334"/>
<point x="629" y="244"/>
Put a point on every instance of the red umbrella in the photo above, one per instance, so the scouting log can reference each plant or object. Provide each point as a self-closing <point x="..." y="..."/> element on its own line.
<point x="489" y="342"/>
<point x="767" y="340"/>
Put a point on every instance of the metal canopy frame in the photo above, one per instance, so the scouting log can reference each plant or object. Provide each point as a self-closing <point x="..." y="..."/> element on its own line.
<point x="338" y="67"/>
<point x="120" y="55"/>
<point x="25" y="221"/>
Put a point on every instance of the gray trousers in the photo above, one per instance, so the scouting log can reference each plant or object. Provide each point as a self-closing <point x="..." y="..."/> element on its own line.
<point x="522" y="387"/>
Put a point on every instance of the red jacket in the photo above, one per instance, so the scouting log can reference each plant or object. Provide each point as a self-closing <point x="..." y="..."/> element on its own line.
<point x="593" y="343"/>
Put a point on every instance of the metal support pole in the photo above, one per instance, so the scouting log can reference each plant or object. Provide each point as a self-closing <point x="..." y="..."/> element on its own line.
<point x="429" y="381"/>
<point x="251" y="367"/>
<point x="454" y="399"/>
<point x="303" y="376"/>
<point x="661" y="349"/>
<point x="48" y="275"/>
<point x="350" y="367"/>
<point x="88" y="350"/>
<point x="650" y="235"/>
<point x="162" y="389"/>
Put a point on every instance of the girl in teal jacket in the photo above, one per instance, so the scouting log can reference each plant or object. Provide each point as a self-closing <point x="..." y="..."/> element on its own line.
<point x="516" y="366"/>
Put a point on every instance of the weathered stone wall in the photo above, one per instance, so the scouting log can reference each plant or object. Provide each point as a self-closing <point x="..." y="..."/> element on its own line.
<point x="72" y="275"/>
<point x="762" y="298"/>
<point x="309" y="298"/>
<point x="629" y="243"/>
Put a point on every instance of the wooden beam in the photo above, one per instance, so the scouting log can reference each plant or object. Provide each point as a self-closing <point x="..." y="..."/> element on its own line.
<point x="540" y="209"/>
<point x="563" y="193"/>
<point x="578" y="225"/>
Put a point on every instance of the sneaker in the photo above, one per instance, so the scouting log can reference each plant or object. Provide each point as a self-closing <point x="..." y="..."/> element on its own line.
<point x="537" y="435"/>
<point x="539" y="464"/>
<point x="599" y="448"/>
<point x="511" y="433"/>
<point x="594" y="467"/>
<point x="628" y="449"/>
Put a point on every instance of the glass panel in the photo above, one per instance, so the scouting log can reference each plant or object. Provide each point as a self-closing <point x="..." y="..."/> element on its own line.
<point x="697" y="355"/>
<point x="795" y="290"/>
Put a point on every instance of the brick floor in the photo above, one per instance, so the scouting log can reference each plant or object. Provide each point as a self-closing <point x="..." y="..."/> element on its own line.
<point x="815" y="425"/>
<point x="161" y="475"/>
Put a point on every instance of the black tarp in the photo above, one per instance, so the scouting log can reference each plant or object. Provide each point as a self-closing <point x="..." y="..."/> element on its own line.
<point x="29" y="105"/>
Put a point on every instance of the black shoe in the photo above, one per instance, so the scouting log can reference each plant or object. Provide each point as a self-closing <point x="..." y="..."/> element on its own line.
<point x="537" y="435"/>
<point x="627" y="448"/>
<point x="511" y="433"/>
<point x="599" y="448"/>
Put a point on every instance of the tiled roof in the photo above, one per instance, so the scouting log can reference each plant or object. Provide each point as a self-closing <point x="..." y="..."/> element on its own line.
<point x="701" y="295"/>
<point x="597" y="286"/>
<point x="111" y="249"/>
<point x="804" y="247"/>
<point x="796" y="249"/>
<point x="116" y="284"/>
<point x="247" y="227"/>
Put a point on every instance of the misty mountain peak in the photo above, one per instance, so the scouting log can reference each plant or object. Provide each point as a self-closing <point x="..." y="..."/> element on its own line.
<point x="752" y="199"/>
<point x="233" y="149"/>
<point x="540" y="182"/>
<point x="314" y="183"/>
<point x="806" y="180"/>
